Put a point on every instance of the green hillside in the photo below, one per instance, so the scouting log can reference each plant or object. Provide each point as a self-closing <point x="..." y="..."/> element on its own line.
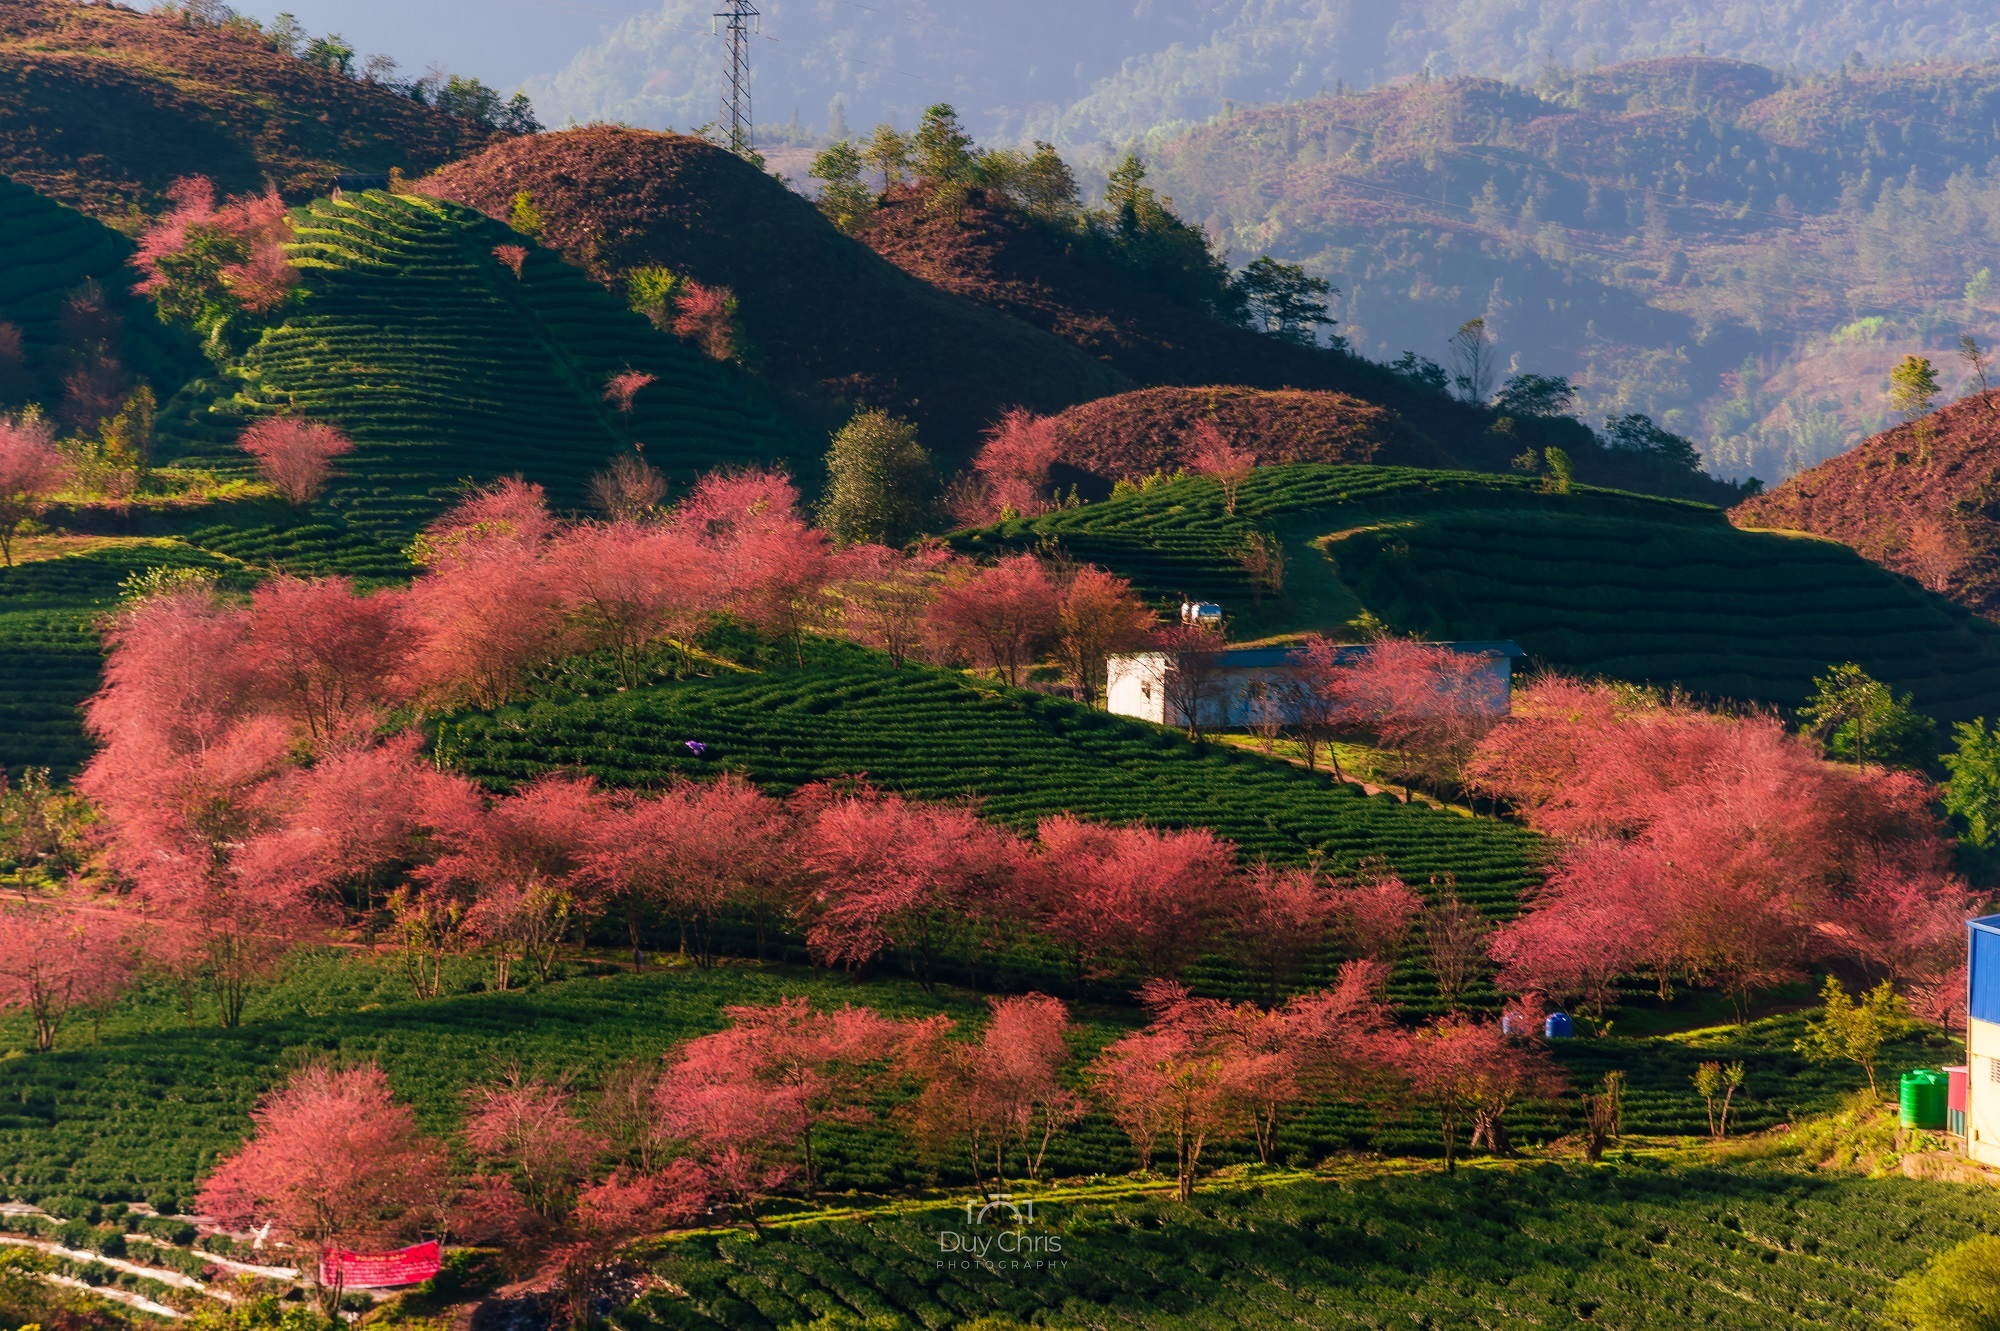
<point x="1650" y="590"/>
<point x="936" y="734"/>
<point x="49" y="653"/>
<point x="444" y="367"/>
<point x="48" y="253"/>
<point x="135" y="1107"/>
<point x="1647" y="1245"/>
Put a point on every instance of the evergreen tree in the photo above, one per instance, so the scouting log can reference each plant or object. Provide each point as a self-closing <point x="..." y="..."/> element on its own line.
<point x="879" y="481"/>
<point x="1862" y="720"/>
<point x="1972" y="795"/>
<point x="843" y="196"/>
<point x="1283" y="301"/>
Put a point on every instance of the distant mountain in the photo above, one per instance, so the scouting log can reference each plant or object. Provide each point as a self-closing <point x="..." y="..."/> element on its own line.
<point x="103" y="107"/>
<point x="1088" y="75"/>
<point x="1741" y="253"/>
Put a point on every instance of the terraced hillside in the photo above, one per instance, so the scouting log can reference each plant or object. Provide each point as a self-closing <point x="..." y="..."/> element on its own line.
<point x="825" y="314"/>
<point x="103" y="106"/>
<point x="1653" y="590"/>
<point x="48" y="255"/>
<point x="445" y="367"/>
<point x="49" y="653"/>
<point x="1644" y="1245"/>
<point x="938" y="735"/>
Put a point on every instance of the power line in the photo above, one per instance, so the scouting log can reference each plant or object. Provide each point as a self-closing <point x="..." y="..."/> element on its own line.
<point x="741" y="17"/>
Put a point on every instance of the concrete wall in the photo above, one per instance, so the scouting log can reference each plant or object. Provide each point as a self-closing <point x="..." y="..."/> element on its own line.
<point x="1137" y="686"/>
<point x="1982" y="1091"/>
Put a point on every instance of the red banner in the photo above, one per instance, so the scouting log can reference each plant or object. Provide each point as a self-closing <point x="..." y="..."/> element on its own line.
<point x="380" y="1270"/>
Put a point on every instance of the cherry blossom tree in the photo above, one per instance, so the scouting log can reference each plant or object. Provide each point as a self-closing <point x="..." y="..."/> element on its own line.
<point x="624" y="386"/>
<point x="1282" y="919"/>
<point x="1096" y="614"/>
<point x="487" y="612"/>
<point x="333" y="1161"/>
<point x="202" y="262"/>
<point x="888" y="874"/>
<point x="627" y="586"/>
<point x="772" y="565"/>
<point x="629" y="490"/>
<point x="1214" y="455"/>
<point x="1333" y="1044"/>
<point x="706" y="316"/>
<point x="525" y="857"/>
<point x="1373" y="909"/>
<point x="330" y="660"/>
<point x="1732" y="852"/>
<point x="512" y="258"/>
<point x="295" y="455"/>
<point x="752" y="1100"/>
<point x="31" y="472"/>
<point x="58" y="958"/>
<point x="1191" y="685"/>
<point x="1156" y="898"/>
<point x="1427" y="702"/>
<point x="1470" y="1073"/>
<point x="998" y="618"/>
<point x="998" y="1093"/>
<point x="695" y="850"/>
<point x="1012" y="469"/>
<point x="545" y="1198"/>
<point x="886" y="595"/>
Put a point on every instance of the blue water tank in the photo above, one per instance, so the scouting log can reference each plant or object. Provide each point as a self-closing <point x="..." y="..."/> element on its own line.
<point x="1557" y="1027"/>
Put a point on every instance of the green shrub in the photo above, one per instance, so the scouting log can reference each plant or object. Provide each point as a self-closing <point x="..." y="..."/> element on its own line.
<point x="1959" y="1290"/>
<point x="170" y="1229"/>
<point x="74" y="1208"/>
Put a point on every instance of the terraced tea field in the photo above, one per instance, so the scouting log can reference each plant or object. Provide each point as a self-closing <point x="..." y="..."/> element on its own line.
<point x="49" y="650"/>
<point x="47" y="253"/>
<point x="446" y="368"/>
<point x="1644" y="1245"/>
<point x="138" y="1107"/>
<point x="1652" y="590"/>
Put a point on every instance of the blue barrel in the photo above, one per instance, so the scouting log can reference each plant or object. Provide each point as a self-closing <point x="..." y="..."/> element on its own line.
<point x="1558" y="1026"/>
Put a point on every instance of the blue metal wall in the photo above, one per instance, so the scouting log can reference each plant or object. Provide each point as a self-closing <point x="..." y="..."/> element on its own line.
<point x="1983" y="1002"/>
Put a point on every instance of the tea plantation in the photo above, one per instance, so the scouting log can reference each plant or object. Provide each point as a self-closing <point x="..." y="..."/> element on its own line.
<point x="446" y="368"/>
<point x="49" y="650"/>
<point x="1638" y="1245"/>
<point x="48" y="253"/>
<point x="1652" y="590"/>
<point x="139" y="1106"/>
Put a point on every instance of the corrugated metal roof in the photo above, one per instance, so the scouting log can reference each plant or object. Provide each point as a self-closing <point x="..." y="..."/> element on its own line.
<point x="1255" y="657"/>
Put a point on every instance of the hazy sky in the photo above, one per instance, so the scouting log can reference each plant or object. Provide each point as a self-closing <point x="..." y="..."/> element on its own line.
<point x="501" y="41"/>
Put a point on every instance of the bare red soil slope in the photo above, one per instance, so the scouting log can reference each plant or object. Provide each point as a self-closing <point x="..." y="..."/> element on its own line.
<point x="102" y="107"/>
<point x="1134" y="434"/>
<point x="1922" y="499"/>
<point x="823" y="312"/>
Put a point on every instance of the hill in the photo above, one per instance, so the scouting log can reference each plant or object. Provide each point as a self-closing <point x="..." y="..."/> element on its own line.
<point x="1649" y="590"/>
<point x="1700" y="239"/>
<point x="1096" y="79"/>
<point x="103" y="107"/>
<point x="445" y="368"/>
<point x="825" y="316"/>
<point x="65" y="287"/>
<point x="1920" y="499"/>
<point x="1133" y="435"/>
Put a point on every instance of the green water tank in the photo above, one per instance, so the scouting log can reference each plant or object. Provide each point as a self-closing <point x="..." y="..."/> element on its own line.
<point x="1924" y="1095"/>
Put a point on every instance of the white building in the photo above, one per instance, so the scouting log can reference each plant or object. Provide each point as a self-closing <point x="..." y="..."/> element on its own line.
<point x="1982" y="1040"/>
<point x="1252" y="682"/>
